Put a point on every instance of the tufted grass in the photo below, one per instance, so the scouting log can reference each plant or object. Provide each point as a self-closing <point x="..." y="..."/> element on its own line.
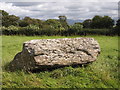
<point x="103" y="73"/>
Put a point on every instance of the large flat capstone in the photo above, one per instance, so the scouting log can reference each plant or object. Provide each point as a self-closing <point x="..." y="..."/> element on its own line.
<point x="49" y="53"/>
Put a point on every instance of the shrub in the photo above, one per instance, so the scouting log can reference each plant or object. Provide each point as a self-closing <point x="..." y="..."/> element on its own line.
<point x="96" y="32"/>
<point x="11" y="30"/>
<point x="2" y="28"/>
<point x="75" y="29"/>
<point x="116" y="30"/>
<point x="29" y="30"/>
<point x="48" y="30"/>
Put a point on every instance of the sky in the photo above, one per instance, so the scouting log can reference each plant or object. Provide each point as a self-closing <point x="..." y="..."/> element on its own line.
<point x="51" y="9"/>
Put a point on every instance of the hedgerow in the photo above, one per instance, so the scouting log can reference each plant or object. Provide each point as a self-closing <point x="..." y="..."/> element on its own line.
<point x="49" y="30"/>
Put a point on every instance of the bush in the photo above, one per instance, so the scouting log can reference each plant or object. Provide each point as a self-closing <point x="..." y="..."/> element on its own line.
<point x="29" y="30"/>
<point x="11" y="30"/>
<point x="75" y="29"/>
<point x="116" y="30"/>
<point x="49" y="30"/>
<point x="96" y="32"/>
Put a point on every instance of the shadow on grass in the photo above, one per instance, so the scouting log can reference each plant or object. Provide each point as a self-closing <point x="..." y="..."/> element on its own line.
<point x="52" y="68"/>
<point x="43" y="68"/>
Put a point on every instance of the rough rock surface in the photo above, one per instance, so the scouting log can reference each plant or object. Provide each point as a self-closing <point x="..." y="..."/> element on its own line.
<point x="48" y="53"/>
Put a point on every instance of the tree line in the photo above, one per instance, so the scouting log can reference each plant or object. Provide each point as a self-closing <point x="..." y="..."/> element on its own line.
<point x="13" y="25"/>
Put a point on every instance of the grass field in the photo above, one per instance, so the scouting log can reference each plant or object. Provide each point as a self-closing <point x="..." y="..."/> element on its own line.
<point x="103" y="73"/>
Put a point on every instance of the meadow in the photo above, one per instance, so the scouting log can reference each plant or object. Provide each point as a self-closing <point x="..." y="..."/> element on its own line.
<point x="103" y="73"/>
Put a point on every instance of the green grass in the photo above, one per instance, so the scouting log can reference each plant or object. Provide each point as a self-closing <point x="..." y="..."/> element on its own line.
<point x="103" y="73"/>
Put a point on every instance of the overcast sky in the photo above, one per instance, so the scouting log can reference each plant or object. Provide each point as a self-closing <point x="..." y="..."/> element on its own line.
<point x="51" y="9"/>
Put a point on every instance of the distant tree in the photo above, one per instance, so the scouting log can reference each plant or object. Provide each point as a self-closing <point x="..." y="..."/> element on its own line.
<point x="30" y="21"/>
<point x="4" y="13"/>
<point x="23" y="23"/>
<point x="87" y="23"/>
<point x="96" y="22"/>
<point x="102" y="22"/>
<point x="10" y="20"/>
<point x="79" y="23"/>
<point x="38" y="22"/>
<point x="63" y="21"/>
<point x="107" y="22"/>
<point x="54" y="23"/>
<point x="117" y="28"/>
<point x="62" y="18"/>
<point x="118" y="23"/>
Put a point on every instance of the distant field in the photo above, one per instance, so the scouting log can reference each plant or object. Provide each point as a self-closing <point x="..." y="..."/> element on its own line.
<point x="101" y="74"/>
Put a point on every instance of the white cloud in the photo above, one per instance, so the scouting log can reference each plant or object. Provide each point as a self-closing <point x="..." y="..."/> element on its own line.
<point x="13" y="9"/>
<point x="61" y="1"/>
<point x="72" y="9"/>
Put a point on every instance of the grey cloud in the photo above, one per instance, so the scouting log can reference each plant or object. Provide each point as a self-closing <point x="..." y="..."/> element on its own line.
<point x="26" y="4"/>
<point x="61" y="0"/>
<point x="73" y="10"/>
